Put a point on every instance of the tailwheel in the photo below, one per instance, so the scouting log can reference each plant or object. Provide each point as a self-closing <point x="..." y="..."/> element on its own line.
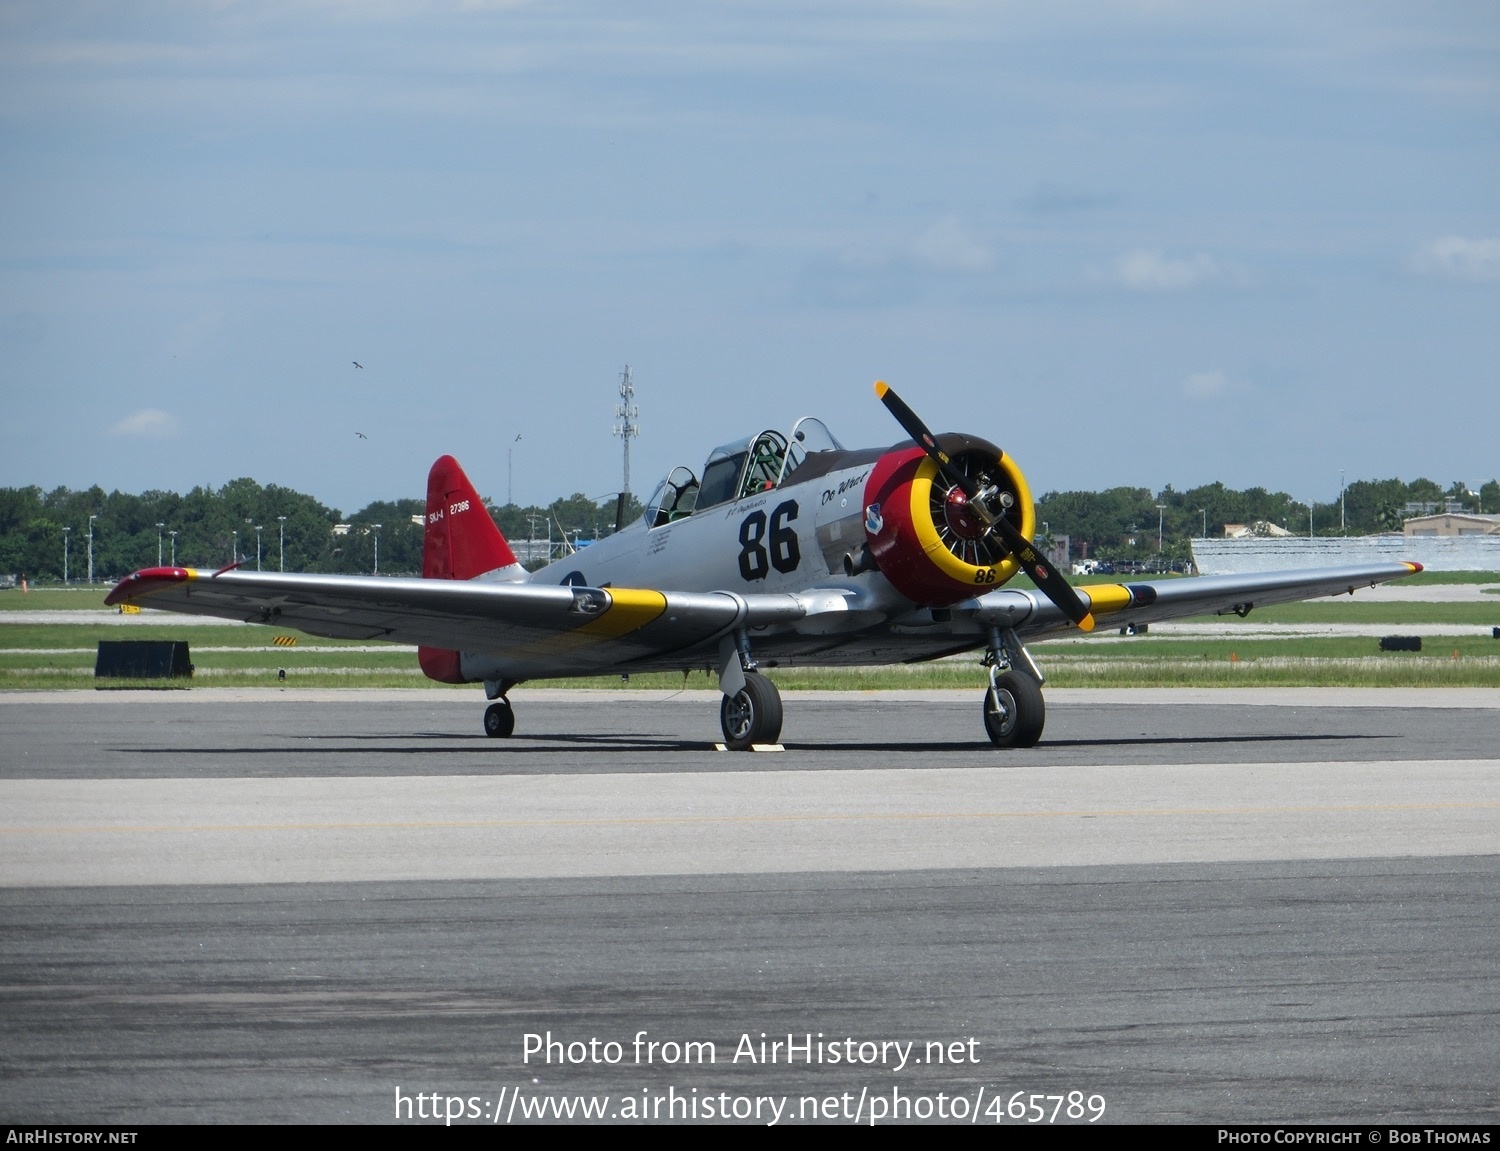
<point x="752" y="715"/>
<point x="499" y="720"/>
<point x="1014" y="711"/>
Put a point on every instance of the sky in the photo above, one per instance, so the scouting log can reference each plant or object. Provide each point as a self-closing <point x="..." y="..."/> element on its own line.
<point x="1134" y="243"/>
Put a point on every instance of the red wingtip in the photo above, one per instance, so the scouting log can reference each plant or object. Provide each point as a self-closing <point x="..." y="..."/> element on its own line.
<point x="144" y="582"/>
<point x="1414" y="565"/>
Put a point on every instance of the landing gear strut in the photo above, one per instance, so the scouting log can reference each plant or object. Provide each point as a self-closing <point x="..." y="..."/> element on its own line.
<point x="751" y="711"/>
<point x="752" y="715"/>
<point x="499" y="719"/>
<point x="1014" y="711"/>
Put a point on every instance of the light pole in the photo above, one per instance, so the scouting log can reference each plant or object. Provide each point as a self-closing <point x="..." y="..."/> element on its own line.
<point x="377" y="548"/>
<point x="1309" y="520"/>
<point x="158" y="543"/>
<point x="91" y="547"/>
<point x="234" y="547"/>
<point x="1205" y="522"/>
<point x="281" y="554"/>
<point x="531" y="538"/>
<point x="257" y="547"/>
<point x="174" y="547"/>
<point x="509" y="462"/>
<point x="1161" y="514"/>
<point x="65" y="555"/>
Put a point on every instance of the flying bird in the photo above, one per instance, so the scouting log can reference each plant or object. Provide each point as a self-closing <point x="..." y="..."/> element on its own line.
<point x="357" y="364"/>
<point x="362" y="435"/>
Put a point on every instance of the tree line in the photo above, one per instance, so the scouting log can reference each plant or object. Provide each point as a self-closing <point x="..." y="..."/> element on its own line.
<point x="210" y="528"/>
<point x="1122" y="523"/>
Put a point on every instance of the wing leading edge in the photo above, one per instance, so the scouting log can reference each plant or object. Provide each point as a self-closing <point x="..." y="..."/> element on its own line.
<point x="547" y="631"/>
<point x="1122" y="605"/>
<point x="541" y="630"/>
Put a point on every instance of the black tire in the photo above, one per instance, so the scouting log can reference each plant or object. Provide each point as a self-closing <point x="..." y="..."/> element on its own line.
<point x="1021" y="713"/>
<point x="499" y="720"/>
<point x="752" y="715"/>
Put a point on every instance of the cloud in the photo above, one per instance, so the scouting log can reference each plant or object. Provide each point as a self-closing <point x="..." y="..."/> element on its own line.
<point x="1049" y="196"/>
<point x="1206" y="385"/>
<point x="1147" y="270"/>
<point x="1461" y="258"/>
<point x="947" y="246"/>
<point x="894" y="272"/>
<point x="148" y="423"/>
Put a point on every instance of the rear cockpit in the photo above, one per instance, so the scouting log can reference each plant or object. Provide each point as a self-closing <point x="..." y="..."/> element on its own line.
<point x="739" y="470"/>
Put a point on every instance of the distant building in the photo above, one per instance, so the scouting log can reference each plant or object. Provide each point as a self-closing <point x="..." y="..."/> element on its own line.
<point x="1453" y="524"/>
<point x="1258" y="528"/>
<point x="1060" y="551"/>
<point x="1450" y="505"/>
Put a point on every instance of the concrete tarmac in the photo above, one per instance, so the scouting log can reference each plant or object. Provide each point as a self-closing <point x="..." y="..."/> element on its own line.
<point x="1215" y="907"/>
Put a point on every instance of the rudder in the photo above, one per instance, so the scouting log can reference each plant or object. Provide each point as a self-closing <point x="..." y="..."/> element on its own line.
<point x="460" y="541"/>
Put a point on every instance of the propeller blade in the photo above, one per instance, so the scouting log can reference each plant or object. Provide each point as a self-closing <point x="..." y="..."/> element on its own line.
<point x="1046" y="578"/>
<point x="912" y="425"/>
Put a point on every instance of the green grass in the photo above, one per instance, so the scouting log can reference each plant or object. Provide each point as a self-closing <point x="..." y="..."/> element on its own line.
<point x="1260" y="647"/>
<point x="1313" y="662"/>
<point x="31" y="635"/>
<point x="1426" y="577"/>
<point x="55" y="598"/>
<point x="1419" y="578"/>
<point x="1404" y="613"/>
<point x="42" y="656"/>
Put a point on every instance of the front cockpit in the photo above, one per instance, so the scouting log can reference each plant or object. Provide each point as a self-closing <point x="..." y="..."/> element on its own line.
<point x="739" y="470"/>
<point x="674" y="498"/>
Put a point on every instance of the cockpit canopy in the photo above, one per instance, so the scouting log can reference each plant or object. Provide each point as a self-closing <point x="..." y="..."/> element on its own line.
<point x="739" y="470"/>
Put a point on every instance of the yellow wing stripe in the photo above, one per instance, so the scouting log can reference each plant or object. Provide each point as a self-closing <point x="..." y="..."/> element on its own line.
<point x="629" y="610"/>
<point x="1107" y="597"/>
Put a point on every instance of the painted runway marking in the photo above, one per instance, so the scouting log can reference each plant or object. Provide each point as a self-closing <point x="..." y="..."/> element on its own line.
<point x="806" y="817"/>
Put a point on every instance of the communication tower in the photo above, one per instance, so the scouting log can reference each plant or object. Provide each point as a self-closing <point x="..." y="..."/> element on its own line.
<point x="627" y="413"/>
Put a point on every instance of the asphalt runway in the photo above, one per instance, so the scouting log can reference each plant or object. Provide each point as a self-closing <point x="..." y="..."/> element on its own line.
<point x="1216" y="907"/>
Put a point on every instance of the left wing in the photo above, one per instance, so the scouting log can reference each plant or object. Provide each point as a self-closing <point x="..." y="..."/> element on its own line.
<point x="542" y="630"/>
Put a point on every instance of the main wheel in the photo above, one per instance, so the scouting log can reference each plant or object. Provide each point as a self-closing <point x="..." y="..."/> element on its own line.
<point x="499" y="720"/>
<point x="1014" y="711"/>
<point x="752" y="715"/>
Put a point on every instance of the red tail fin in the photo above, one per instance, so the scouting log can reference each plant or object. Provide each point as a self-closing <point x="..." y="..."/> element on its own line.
<point x="461" y="542"/>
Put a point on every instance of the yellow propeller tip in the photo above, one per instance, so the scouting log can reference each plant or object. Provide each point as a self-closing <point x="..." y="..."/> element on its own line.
<point x="1086" y="623"/>
<point x="881" y="387"/>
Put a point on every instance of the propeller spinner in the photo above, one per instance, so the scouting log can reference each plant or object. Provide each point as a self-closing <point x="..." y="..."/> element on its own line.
<point x="980" y="513"/>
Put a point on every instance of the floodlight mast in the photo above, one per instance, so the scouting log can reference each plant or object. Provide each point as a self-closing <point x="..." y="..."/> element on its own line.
<point x="627" y="413"/>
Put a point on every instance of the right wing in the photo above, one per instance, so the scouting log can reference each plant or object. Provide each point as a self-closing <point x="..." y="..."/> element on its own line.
<point x="1122" y="605"/>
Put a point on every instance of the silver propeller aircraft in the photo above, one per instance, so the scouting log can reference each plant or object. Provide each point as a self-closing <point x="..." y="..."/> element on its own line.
<point x="786" y="550"/>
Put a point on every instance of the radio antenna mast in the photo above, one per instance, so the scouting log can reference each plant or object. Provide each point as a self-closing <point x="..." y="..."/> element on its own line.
<point x="627" y="413"/>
